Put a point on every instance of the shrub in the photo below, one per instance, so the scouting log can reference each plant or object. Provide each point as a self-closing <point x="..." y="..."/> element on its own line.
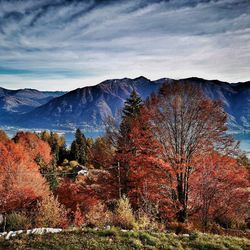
<point x="143" y="221"/>
<point x="78" y="217"/>
<point x="17" y="221"/>
<point x="123" y="216"/>
<point x="214" y="228"/>
<point x="51" y="213"/>
<point x="99" y="216"/>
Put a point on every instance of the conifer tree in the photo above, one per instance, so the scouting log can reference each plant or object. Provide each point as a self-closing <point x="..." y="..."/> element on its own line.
<point x="132" y="105"/>
<point x="79" y="148"/>
<point x="130" y="111"/>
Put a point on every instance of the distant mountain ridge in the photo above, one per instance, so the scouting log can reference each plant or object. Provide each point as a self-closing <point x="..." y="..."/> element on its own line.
<point x="87" y="107"/>
<point x="13" y="103"/>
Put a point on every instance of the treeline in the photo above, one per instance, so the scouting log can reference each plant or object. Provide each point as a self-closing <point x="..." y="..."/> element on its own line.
<point x="169" y="163"/>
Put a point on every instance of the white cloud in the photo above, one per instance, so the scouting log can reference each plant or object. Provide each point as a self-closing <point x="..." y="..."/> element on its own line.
<point x="80" y="43"/>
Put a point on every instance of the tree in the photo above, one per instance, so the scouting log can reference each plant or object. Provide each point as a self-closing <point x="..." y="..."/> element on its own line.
<point x="187" y="124"/>
<point x="100" y="154"/>
<point x="150" y="176"/>
<point x="40" y="152"/>
<point x="132" y="105"/>
<point x="21" y="183"/>
<point x="129" y="113"/>
<point x="57" y="144"/>
<point x="3" y="136"/>
<point x="218" y="190"/>
<point x="50" y="213"/>
<point x="139" y="170"/>
<point x="79" y="148"/>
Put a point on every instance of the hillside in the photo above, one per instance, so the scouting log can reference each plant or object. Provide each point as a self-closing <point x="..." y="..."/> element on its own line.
<point x="118" y="239"/>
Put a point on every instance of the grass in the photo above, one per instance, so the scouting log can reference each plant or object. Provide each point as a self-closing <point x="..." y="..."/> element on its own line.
<point x="117" y="239"/>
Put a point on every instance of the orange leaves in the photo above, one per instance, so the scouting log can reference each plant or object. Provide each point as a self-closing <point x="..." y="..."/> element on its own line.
<point x="20" y="181"/>
<point x="149" y="176"/>
<point x="37" y="148"/>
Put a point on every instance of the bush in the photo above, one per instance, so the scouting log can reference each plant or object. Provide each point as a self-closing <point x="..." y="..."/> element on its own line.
<point x="51" y="213"/>
<point x="78" y="217"/>
<point x="17" y="221"/>
<point x="123" y="216"/>
<point x="147" y="221"/>
<point x="99" y="216"/>
<point x="144" y="221"/>
<point x="214" y="228"/>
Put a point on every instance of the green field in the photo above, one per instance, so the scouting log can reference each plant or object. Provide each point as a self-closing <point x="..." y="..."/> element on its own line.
<point x="117" y="239"/>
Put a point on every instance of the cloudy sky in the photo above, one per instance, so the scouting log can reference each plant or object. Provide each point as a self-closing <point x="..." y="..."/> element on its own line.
<point x="62" y="45"/>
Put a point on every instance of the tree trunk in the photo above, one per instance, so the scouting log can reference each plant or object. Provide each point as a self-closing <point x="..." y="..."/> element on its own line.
<point x="182" y="198"/>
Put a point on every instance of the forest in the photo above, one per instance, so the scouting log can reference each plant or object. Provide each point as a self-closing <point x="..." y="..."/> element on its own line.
<point x="168" y="164"/>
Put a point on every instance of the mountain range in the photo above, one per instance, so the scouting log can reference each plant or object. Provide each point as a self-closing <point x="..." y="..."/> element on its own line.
<point x="87" y="107"/>
<point x="15" y="103"/>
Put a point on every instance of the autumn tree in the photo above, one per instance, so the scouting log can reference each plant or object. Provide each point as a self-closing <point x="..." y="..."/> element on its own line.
<point x="129" y="113"/>
<point x="3" y="136"/>
<point x="150" y="176"/>
<point x="100" y="154"/>
<point x="21" y="183"/>
<point x="218" y="190"/>
<point x="188" y="124"/>
<point x="40" y="152"/>
<point x="79" y="148"/>
<point x="57" y="144"/>
<point x="81" y="195"/>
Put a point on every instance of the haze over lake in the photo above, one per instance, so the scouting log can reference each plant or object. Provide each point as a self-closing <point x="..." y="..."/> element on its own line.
<point x="243" y="137"/>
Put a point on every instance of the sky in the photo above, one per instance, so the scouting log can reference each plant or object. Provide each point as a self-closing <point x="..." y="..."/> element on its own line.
<point x="63" y="45"/>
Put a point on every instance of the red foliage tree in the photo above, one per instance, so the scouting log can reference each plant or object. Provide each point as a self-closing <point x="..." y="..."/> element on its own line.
<point x="150" y="178"/>
<point x="73" y="195"/>
<point x="187" y="124"/>
<point x="78" y="217"/>
<point x="86" y="192"/>
<point x="20" y="180"/>
<point x="38" y="149"/>
<point x="218" y="190"/>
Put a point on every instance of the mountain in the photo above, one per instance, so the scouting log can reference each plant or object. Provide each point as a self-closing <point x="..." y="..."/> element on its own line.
<point x="13" y="103"/>
<point x="87" y="107"/>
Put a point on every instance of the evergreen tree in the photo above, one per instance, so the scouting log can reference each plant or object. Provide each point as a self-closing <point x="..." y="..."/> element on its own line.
<point x="79" y="148"/>
<point x="132" y="105"/>
<point x="130" y="111"/>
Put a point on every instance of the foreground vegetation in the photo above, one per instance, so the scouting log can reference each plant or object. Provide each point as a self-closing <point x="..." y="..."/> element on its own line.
<point x="117" y="239"/>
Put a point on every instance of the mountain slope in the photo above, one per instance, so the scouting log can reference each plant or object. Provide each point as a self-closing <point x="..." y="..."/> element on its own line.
<point x="88" y="107"/>
<point x="13" y="103"/>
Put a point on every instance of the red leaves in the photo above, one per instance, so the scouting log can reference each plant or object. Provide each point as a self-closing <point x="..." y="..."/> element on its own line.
<point x="37" y="148"/>
<point x="20" y="180"/>
<point x="149" y="176"/>
<point x="218" y="189"/>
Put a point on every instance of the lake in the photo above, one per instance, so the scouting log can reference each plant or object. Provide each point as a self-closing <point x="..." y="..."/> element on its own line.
<point x="244" y="138"/>
<point x="68" y="134"/>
